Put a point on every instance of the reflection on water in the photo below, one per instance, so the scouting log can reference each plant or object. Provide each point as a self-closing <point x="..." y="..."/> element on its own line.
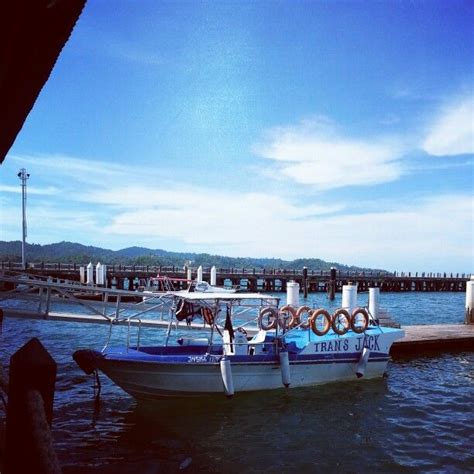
<point x="419" y="419"/>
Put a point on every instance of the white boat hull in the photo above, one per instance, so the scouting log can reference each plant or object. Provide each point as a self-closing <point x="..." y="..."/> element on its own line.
<point x="149" y="381"/>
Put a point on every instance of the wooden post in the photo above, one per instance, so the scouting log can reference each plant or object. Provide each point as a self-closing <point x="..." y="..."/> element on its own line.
<point x="48" y="300"/>
<point x="305" y="282"/>
<point x="332" y="284"/>
<point x="28" y="441"/>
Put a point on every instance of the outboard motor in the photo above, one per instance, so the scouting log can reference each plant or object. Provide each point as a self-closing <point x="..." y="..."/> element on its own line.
<point x="87" y="360"/>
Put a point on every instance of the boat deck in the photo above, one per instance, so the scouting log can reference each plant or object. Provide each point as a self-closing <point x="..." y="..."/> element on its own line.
<point x="419" y="340"/>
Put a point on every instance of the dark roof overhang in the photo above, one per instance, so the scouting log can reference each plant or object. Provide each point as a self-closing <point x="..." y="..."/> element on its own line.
<point x="32" y="35"/>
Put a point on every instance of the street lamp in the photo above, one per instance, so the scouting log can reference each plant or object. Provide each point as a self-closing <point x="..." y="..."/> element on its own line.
<point x="23" y="175"/>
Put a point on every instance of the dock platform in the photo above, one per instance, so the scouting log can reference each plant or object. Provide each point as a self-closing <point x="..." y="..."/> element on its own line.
<point x="433" y="339"/>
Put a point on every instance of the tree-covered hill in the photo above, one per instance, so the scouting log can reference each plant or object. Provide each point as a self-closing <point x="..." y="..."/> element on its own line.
<point x="69" y="252"/>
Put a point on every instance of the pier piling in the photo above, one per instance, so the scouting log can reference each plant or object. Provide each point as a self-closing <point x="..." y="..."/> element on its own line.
<point x="332" y="284"/>
<point x="28" y="440"/>
<point x="305" y="282"/>
<point x="469" y="318"/>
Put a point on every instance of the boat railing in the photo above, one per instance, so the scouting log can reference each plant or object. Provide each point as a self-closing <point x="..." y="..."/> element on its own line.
<point x="119" y="318"/>
<point x="138" y="333"/>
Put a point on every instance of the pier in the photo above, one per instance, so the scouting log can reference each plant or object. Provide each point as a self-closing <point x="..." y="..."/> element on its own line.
<point x="130" y="277"/>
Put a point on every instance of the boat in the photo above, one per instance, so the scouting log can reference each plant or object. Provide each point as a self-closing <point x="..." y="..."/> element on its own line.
<point x="250" y="344"/>
<point x="204" y="287"/>
<point x="150" y="296"/>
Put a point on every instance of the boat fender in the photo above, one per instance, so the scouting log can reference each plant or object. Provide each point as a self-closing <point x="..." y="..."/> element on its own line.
<point x="285" y="368"/>
<point x="356" y="320"/>
<point x="87" y="360"/>
<point x="226" y="373"/>
<point x="286" y="317"/>
<point x="341" y="321"/>
<point x="316" y="317"/>
<point x="362" y="364"/>
<point x="270" y="315"/>
<point x="304" y="322"/>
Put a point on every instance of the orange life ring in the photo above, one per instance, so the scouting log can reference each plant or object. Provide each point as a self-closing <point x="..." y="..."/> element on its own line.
<point x="341" y="321"/>
<point x="355" y="327"/>
<point x="286" y="321"/>
<point x="299" y="320"/>
<point x="272" y="316"/>
<point x="315" y="317"/>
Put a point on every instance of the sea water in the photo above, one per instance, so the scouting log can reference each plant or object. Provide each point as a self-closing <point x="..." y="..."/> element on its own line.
<point x="419" y="418"/>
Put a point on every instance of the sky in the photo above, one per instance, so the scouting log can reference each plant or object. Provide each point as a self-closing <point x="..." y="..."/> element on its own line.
<point x="341" y="130"/>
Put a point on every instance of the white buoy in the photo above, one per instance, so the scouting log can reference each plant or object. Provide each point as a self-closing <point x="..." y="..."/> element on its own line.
<point x="82" y="274"/>
<point x="349" y="297"/>
<point x="374" y="294"/>
<point x="199" y="274"/>
<point x="362" y="364"/>
<point x="293" y="294"/>
<point x="285" y="368"/>
<point x="213" y="276"/>
<point x="90" y="274"/>
<point x="188" y="274"/>
<point x="226" y="373"/>
<point x="98" y="274"/>
<point x="469" y="319"/>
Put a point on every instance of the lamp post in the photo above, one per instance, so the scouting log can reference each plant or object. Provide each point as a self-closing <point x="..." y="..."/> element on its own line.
<point x="23" y="175"/>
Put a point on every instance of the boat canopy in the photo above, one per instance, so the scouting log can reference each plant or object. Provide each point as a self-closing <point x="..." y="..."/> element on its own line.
<point x="225" y="297"/>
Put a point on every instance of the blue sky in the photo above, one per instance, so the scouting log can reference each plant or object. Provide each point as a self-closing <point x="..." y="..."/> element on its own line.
<point x="337" y="130"/>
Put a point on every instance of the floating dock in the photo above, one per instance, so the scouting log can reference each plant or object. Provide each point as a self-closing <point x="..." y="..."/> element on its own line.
<point x="434" y="339"/>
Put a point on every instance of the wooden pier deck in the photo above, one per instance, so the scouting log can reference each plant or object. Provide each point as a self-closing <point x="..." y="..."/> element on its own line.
<point x="434" y="339"/>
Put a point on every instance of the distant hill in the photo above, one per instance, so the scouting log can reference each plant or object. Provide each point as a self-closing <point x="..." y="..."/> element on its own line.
<point x="69" y="252"/>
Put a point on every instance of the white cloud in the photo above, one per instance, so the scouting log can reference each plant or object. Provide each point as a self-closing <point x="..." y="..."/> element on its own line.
<point x="68" y="167"/>
<point x="452" y="132"/>
<point x="314" y="153"/>
<point x="259" y="225"/>
<point x="48" y="222"/>
<point x="50" y="190"/>
<point x="90" y="174"/>
<point x="110" y="45"/>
